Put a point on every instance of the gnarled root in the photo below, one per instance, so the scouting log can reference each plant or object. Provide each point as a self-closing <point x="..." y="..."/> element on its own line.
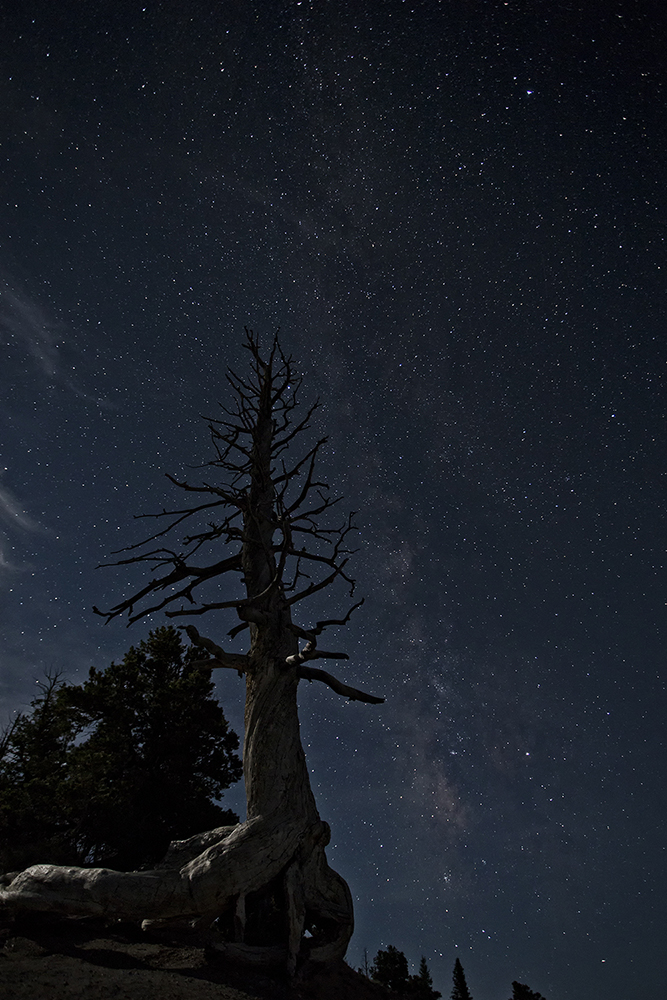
<point x="264" y="889"/>
<point x="304" y="915"/>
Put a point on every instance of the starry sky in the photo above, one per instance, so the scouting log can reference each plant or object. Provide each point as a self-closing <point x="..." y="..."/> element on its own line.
<point x="455" y="212"/>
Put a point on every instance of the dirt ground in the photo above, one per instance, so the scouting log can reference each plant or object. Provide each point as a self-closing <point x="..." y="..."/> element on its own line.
<point x="78" y="960"/>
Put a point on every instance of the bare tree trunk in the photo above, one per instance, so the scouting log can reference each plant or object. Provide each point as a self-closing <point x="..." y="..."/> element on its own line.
<point x="308" y="896"/>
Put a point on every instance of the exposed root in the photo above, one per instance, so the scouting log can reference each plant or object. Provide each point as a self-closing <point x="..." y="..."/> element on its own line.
<point x="262" y="891"/>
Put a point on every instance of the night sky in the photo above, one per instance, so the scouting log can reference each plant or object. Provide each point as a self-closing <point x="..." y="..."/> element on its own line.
<point x="455" y="212"/>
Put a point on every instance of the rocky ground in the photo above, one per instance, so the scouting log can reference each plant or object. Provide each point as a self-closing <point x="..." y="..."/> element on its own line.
<point x="44" y="958"/>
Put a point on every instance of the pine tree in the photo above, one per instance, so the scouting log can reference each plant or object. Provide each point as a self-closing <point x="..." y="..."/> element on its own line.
<point x="522" y="992"/>
<point x="460" y="990"/>
<point x="421" y="986"/>
<point x="390" y="969"/>
<point x="108" y="772"/>
<point x="34" y="753"/>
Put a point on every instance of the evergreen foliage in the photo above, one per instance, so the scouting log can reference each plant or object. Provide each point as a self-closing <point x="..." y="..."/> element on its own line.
<point x="522" y="992"/>
<point x="390" y="969"/>
<point x="460" y="990"/>
<point x="421" y="985"/>
<point x="106" y="773"/>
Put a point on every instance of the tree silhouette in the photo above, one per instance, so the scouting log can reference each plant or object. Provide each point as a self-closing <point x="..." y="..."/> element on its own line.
<point x="263" y="889"/>
<point x="109" y="771"/>
<point x="390" y="969"/>
<point x="33" y="758"/>
<point x="421" y="985"/>
<point x="522" y="992"/>
<point x="460" y="990"/>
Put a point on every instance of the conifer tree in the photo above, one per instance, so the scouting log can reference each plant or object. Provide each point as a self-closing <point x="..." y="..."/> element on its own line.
<point x="421" y="985"/>
<point x="460" y="990"/>
<point x="108" y="772"/>
<point x="390" y="969"/>
<point x="522" y="992"/>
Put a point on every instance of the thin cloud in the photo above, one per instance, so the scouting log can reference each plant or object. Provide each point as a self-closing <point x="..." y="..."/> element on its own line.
<point x="14" y="514"/>
<point x="25" y="323"/>
<point x="6" y="565"/>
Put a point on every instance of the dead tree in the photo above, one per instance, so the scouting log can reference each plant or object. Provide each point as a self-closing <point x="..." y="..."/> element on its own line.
<point x="262" y="890"/>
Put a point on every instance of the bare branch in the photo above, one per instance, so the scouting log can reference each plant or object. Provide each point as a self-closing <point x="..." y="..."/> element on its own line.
<point x="235" y="661"/>
<point x="7" y="734"/>
<point x="316" y="654"/>
<point x="314" y="587"/>
<point x="273" y="497"/>
<point x="321" y="625"/>
<point x="281" y="444"/>
<point x="231" y="498"/>
<point x="311" y="652"/>
<point x="184" y="514"/>
<point x="179" y="573"/>
<point x="312" y="633"/>
<point x="314" y="674"/>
